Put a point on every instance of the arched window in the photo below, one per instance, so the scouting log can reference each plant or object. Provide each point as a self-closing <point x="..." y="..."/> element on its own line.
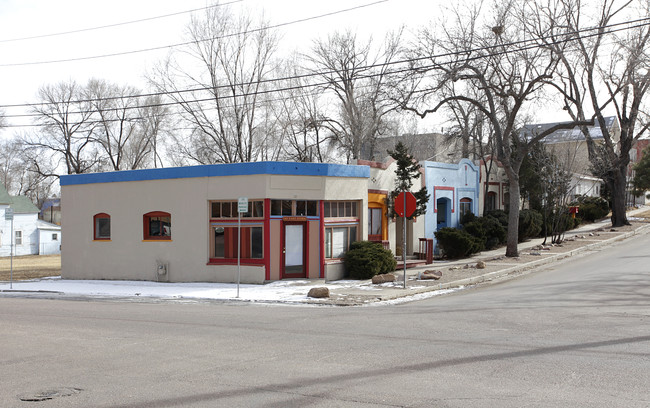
<point x="157" y="225"/>
<point x="465" y="206"/>
<point x="102" y="227"/>
<point x="491" y="201"/>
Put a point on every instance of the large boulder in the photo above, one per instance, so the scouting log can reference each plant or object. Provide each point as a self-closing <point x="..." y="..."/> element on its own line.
<point x="388" y="277"/>
<point x="378" y="279"/>
<point x="430" y="274"/>
<point x="319" y="292"/>
<point x="383" y="278"/>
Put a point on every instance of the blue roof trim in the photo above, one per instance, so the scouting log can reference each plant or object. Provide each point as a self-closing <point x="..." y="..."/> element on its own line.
<point x="219" y="170"/>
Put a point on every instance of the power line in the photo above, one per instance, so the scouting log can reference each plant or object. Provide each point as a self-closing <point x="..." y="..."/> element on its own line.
<point x="502" y="51"/>
<point x="533" y="43"/>
<point x="170" y="113"/>
<point x="82" y="30"/>
<point x="117" y="54"/>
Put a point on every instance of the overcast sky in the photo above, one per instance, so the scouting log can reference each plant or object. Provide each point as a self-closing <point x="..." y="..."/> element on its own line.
<point x="20" y="78"/>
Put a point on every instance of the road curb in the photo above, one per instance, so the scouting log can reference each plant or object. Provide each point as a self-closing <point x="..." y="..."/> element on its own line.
<point x="475" y="280"/>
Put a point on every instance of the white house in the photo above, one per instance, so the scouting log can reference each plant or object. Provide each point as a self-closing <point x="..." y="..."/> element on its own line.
<point x="31" y="236"/>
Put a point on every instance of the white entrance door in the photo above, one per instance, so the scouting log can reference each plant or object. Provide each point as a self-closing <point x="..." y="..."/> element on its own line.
<point x="294" y="254"/>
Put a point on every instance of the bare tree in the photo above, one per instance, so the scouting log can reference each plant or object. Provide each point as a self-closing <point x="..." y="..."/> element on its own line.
<point x="503" y="77"/>
<point x="64" y="129"/>
<point x="127" y="126"/>
<point x="217" y="82"/>
<point x="10" y="162"/>
<point x="357" y="75"/>
<point x="19" y="174"/>
<point x="603" y="70"/>
<point x="153" y="127"/>
<point x="115" y="115"/>
<point x="304" y="131"/>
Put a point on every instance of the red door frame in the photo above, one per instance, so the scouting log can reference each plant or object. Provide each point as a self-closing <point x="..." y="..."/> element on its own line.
<point x="305" y="250"/>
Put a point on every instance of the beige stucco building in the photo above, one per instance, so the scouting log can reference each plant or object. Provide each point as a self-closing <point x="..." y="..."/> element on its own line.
<point x="180" y="224"/>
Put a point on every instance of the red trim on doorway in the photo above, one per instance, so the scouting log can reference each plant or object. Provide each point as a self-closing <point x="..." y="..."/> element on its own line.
<point x="305" y="248"/>
<point x="453" y="199"/>
<point x="321" y="227"/>
<point x="267" y="238"/>
<point x="373" y="191"/>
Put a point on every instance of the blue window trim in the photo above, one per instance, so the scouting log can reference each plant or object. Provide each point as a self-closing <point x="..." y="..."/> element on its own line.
<point x="218" y="170"/>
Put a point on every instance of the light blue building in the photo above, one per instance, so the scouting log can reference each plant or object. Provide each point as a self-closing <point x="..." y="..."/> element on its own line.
<point x="454" y="191"/>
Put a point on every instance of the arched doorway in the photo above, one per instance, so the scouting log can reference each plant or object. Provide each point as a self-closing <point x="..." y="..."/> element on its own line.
<point x="443" y="212"/>
<point x="491" y="201"/>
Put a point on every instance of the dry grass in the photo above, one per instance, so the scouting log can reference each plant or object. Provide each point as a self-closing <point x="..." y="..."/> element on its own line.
<point x="645" y="214"/>
<point x="30" y="267"/>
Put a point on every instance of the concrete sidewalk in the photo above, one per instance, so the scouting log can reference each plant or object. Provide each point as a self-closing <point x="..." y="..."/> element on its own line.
<point x="588" y="237"/>
<point x="456" y="275"/>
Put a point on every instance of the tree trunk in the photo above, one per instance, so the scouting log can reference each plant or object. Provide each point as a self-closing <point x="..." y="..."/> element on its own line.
<point x="512" y="239"/>
<point x="619" y="186"/>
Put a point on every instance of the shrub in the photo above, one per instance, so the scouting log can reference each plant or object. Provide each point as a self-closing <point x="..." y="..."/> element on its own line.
<point x="500" y="216"/>
<point x="530" y="224"/>
<point x="495" y="232"/>
<point x="488" y="229"/>
<point x="591" y="208"/>
<point x="563" y="222"/>
<point x="467" y="218"/>
<point x="366" y="259"/>
<point x="457" y="243"/>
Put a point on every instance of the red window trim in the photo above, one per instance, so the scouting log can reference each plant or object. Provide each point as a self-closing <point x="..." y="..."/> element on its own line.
<point x="231" y="248"/>
<point x="145" y="226"/>
<point x="95" y="237"/>
<point x="231" y="261"/>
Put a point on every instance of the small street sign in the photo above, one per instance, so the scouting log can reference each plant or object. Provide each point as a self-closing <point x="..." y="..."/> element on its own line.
<point x="9" y="214"/>
<point x="242" y="205"/>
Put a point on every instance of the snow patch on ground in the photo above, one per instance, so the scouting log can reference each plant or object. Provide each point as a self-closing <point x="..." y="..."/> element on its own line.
<point x="283" y="292"/>
<point x="276" y="291"/>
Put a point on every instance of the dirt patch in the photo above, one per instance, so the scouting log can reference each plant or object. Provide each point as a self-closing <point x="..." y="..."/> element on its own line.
<point x="645" y="214"/>
<point x="30" y="267"/>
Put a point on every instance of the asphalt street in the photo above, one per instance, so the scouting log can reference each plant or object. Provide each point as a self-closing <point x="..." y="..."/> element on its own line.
<point x="576" y="333"/>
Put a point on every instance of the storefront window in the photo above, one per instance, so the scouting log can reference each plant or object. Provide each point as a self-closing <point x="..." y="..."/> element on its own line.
<point x="229" y="209"/>
<point x="225" y="242"/>
<point x="302" y="208"/>
<point x="341" y="209"/>
<point x="338" y="240"/>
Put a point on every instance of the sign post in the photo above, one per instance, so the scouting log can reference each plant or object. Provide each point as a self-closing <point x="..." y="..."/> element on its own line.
<point x="9" y="216"/>
<point x="405" y="205"/>
<point x="242" y="207"/>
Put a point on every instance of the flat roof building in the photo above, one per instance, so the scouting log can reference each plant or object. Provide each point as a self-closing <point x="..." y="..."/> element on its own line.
<point x="180" y="224"/>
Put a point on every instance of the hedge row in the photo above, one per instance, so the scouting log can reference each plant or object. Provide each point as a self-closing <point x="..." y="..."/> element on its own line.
<point x="488" y="232"/>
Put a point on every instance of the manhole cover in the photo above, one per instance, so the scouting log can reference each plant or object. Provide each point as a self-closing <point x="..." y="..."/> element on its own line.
<point x="49" y="394"/>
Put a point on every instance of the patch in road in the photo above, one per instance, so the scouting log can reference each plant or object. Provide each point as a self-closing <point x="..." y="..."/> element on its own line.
<point x="49" y="394"/>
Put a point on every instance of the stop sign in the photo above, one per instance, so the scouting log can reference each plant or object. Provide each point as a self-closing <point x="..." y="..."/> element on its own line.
<point x="408" y="209"/>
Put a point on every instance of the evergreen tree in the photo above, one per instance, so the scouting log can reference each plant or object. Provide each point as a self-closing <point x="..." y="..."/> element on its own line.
<point x="408" y="170"/>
